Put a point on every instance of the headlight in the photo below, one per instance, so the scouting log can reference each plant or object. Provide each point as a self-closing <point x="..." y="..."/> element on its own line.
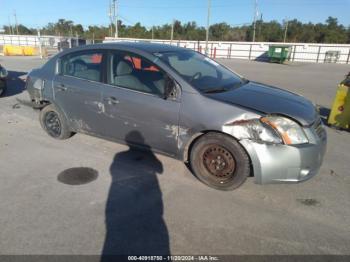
<point x="3" y="73"/>
<point x="253" y="129"/>
<point x="290" y="131"/>
<point x="270" y="129"/>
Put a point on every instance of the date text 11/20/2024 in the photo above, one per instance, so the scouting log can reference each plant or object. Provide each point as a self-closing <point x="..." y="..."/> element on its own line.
<point x="173" y="258"/>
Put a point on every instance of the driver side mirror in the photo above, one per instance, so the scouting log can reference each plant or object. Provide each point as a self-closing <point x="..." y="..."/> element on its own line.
<point x="169" y="88"/>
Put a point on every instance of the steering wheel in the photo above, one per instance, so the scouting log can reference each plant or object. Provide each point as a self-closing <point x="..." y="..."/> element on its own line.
<point x="196" y="76"/>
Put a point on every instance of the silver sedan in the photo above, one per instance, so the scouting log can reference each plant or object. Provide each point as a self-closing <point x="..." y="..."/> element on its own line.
<point x="183" y="104"/>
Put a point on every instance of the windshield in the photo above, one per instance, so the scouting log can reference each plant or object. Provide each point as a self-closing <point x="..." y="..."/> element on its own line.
<point x="201" y="72"/>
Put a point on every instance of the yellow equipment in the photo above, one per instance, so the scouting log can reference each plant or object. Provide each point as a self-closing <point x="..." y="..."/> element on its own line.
<point x="340" y="113"/>
<point x="13" y="50"/>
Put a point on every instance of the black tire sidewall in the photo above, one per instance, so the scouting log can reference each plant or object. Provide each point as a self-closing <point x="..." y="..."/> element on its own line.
<point x="242" y="163"/>
<point x="65" y="131"/>
<point x="3" y="89"/>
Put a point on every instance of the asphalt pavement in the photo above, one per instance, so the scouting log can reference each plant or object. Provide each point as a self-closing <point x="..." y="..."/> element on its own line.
<point x="149" y="203"/>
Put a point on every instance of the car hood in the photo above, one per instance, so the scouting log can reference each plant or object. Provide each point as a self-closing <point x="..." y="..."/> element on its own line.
<point x="270" y="100"/>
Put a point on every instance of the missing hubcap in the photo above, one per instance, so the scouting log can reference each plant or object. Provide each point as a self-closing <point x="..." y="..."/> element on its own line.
<point x="219" y="162"/>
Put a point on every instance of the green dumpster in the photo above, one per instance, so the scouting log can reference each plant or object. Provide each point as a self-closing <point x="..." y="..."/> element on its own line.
<point x="279" y="53"/>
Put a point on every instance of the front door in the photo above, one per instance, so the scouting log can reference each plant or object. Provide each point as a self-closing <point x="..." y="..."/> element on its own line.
<point x="134" y="104"/>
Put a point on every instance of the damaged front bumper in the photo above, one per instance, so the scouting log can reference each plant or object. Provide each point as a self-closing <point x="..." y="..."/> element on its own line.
<point x="280" y="163"/>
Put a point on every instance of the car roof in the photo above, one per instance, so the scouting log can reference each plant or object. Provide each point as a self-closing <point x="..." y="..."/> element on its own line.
<point x="142" y="46"/>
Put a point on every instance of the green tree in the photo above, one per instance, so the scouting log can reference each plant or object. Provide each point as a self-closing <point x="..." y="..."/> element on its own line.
<point x="329" y="32"/>
<point x="220" y="31"/>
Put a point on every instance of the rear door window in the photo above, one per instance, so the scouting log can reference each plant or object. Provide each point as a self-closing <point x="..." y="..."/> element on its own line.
<point x="84" y="65"/>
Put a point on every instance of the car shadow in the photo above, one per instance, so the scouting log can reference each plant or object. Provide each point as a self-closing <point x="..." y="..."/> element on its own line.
<point x="134" y="209"/>
<point x="263" y="58"/>
<point x="15" y="85"/>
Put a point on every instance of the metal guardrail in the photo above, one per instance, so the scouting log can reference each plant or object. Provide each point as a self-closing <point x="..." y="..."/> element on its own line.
<point x="53" y="44"/>
<point x="44" y="40"/>
<point x="301" y="52"/>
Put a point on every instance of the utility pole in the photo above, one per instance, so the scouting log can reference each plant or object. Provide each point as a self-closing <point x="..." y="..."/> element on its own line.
<point x="110" y="15"/>
<point x="172" y="31"/>
<point x="254" y="23"/>
<point x="285" y="30"/>
<point x="208" y="26"/>
<point x="115" y="13"/>
<point x="77" y="38"/>
<point x="113" y="17"/>
<point x="260" y="24"/>
<point x="40" y="49"/>
<point x="11" y="30"/>
<point x="152" y="32"/>
<point x="16" y="24"/>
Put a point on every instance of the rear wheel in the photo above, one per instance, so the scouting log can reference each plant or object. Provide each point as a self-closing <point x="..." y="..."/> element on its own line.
<point x="219" y="161"/>
<point x="54" y="123"/>
<point x="3" y="88"/>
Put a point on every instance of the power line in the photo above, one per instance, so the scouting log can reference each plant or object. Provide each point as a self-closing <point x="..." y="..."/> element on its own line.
<point x="127" y="20"/>
<point x="176" y="6"/>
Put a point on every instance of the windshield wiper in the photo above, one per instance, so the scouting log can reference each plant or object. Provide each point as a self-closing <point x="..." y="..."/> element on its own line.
<point x="215" y="90"/>
<point x="226" y="87"/>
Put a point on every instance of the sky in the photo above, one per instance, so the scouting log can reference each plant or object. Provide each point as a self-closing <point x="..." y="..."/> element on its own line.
<point x="38" y="13"/>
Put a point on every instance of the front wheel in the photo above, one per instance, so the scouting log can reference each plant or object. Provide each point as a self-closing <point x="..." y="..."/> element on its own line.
<point x="54" y="123"/>
<point x="219" y="161"/>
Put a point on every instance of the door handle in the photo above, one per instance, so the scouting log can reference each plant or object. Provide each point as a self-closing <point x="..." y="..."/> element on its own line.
<point x="112" y="100"/>
<point x="61" y="87"/>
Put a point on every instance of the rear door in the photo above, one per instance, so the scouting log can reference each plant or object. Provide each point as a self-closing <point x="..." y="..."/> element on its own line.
<point x="77" y="89"/>
<point x="135" y="108"/>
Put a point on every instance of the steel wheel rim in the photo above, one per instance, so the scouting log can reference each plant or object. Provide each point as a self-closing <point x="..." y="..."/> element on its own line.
<point x="219" y="163"/>
<point x="53" y="124"/>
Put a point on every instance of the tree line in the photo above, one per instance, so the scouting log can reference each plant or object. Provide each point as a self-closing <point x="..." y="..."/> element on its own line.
<point x="273" y="31"/>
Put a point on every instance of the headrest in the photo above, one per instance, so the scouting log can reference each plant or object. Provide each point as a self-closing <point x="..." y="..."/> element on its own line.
<point x="79" y="65"/>
<point x="124" y="68"/>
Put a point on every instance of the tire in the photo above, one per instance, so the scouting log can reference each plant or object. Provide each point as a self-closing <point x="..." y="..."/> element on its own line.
<point x="54" y="123"/>
<point x="219" y="161"/>
<point x="3" y="90"/>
